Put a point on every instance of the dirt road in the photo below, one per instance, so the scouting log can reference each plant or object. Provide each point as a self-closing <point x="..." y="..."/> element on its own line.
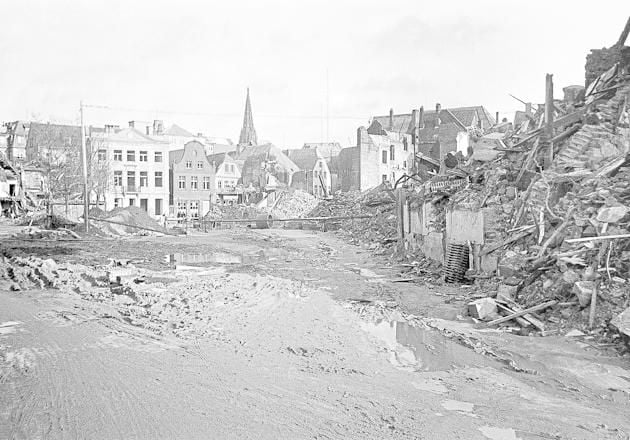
<point x="274" y="334"/>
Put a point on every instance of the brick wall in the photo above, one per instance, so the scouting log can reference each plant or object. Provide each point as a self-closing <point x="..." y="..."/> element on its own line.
<point x="599" y="61"/>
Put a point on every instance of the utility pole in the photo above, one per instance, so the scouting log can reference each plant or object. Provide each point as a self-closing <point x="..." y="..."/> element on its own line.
<point x="86" y="201"/>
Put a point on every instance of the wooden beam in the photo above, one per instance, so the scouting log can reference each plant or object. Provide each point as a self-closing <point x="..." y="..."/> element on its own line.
<point x="523" y="312"/>
<point x="549" y="109"/>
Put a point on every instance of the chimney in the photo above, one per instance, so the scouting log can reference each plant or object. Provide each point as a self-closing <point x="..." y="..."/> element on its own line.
<point x="438" y="109"/>
<point x="497" y="118"/>
<point x="391" y="118"/>
<point x="132" y="124"/>
<point x="421" y="118"/>
<point x="528" y="108"/>
<point x="158" y="127"/>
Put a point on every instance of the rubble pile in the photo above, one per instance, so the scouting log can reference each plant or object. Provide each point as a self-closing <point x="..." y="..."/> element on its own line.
<point x="546" y="218"/>
<point x="294" y="204"/>
<point x="124" y="221"/>
<point x="34" y="233"/>
<point x="41" y="218"/>
<point x="378" y="232"/>
<point x="218" y="212"/>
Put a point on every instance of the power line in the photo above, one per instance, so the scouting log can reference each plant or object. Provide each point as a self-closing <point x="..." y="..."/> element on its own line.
<point x="218" y="115"/>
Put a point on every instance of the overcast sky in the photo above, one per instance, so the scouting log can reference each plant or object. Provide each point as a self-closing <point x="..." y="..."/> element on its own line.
<point x="190" y="62"/>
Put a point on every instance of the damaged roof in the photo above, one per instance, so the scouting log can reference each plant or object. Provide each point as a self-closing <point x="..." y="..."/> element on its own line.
<point x="305" y="158"/>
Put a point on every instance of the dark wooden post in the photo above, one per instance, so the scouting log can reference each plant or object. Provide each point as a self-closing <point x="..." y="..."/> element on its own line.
<point x="549" y="108"/>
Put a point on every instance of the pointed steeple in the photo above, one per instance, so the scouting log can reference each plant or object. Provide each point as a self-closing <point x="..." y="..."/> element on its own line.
<point x="248" y="132"/>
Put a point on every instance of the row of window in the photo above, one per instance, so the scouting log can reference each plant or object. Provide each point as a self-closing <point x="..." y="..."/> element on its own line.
<point x="182" y="181"/>
<point x="144" y="179"/>
<point x="143" y="156"/>
<point x="188" y="208"/>
<point x="189" y="165"/>
<point x="144" y="204"/>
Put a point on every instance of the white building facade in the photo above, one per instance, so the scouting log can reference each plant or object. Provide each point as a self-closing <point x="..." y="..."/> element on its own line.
<point x="138" y="167"/>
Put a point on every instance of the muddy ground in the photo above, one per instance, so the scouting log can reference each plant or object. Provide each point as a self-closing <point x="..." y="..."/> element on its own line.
<point x="275" y="334"/>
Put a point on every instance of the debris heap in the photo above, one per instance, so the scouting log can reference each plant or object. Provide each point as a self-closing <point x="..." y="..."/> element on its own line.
<point x="377" y="232"/>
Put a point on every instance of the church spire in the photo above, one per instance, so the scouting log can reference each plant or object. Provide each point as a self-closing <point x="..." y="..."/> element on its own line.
<point x="248" y="132"/>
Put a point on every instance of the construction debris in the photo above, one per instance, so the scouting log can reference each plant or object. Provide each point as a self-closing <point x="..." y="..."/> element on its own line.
<point x="554" y="196"/>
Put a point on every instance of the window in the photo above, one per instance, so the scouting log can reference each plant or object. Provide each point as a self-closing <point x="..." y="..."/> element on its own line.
<point x="131" y="180"/>
<point x="193" y="182"/>
<point x="384" y="175"/>
<point x="118" y="155"/>
<point x="102" y="155"/>
<point x="144" y="156"/>
<point x="404" y="164"/>
<point x="232" y="168"/>
<point x="144" y="204"/>
<point x="189" y="164"/>
<point x="117" y="178"/>
<point x="181" y="182"/>
<point x="131" y="156"/>
<point x="391" y="152"/>
<point x="384" y="156"/>
<point x="158" y="156"/>
<point x="206" y="183"/>
<point x="158" y="179"/>
<point x="218" y="184"/>
<point x="118" y="203"/>
<point x="181" y="209"/>
<point x="194" y="208"/>
<point x="132" y="202"/>
<point x="158" y="206"/>
<point x="199" y="165"/>
<point x="144" y="178"/>
<point x="405" y="144"/>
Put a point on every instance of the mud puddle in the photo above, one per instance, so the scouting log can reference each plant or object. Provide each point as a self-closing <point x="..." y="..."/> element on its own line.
<point x="214" y="258"/>
<point x="414" y="348"/>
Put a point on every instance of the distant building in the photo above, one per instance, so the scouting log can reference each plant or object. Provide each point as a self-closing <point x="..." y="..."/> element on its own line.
<point x="10" y="189"/>
<point x="313" y="167"/>
<point x="227" y="177"/>
<point x="248" y="132"/>
<point x="389" y="148"/>
<point x="266" y="167"/>
<point x="138" y="168"/>
<point x="330" y="152"/>
<point x="17" y="133"/>
<point x="192" y="181"/>
<point x="52" y="143"/>
<point x="348" y="170"/>
<point x="4" y="139"/>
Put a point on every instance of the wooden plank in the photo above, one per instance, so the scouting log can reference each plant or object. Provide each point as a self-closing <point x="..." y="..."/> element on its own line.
<point x="505" y="242"/>
<point x="523" y="312"/>
<point x="529" y="317"/>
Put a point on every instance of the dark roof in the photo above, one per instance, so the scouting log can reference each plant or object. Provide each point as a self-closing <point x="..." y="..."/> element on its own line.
<point x="446" y="133"/>
<point x="176" y="130"/>
<point x="261" y="152"/>
<point x="175" y="156"/>
<point x="53" y="136"/>
<point x="402" y="123"/>
<point x="325" y="149"/>
<point x="219" y="158"/>
<point x="306" y="158"/>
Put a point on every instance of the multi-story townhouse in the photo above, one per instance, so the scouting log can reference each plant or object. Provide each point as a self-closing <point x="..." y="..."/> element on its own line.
<point x="227" y="177"/>
<point x="137" y="167"/>
<point x="192" y="178"/>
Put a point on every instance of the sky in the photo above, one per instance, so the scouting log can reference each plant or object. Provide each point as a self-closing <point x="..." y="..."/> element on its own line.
<point x="317" y="70"/>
